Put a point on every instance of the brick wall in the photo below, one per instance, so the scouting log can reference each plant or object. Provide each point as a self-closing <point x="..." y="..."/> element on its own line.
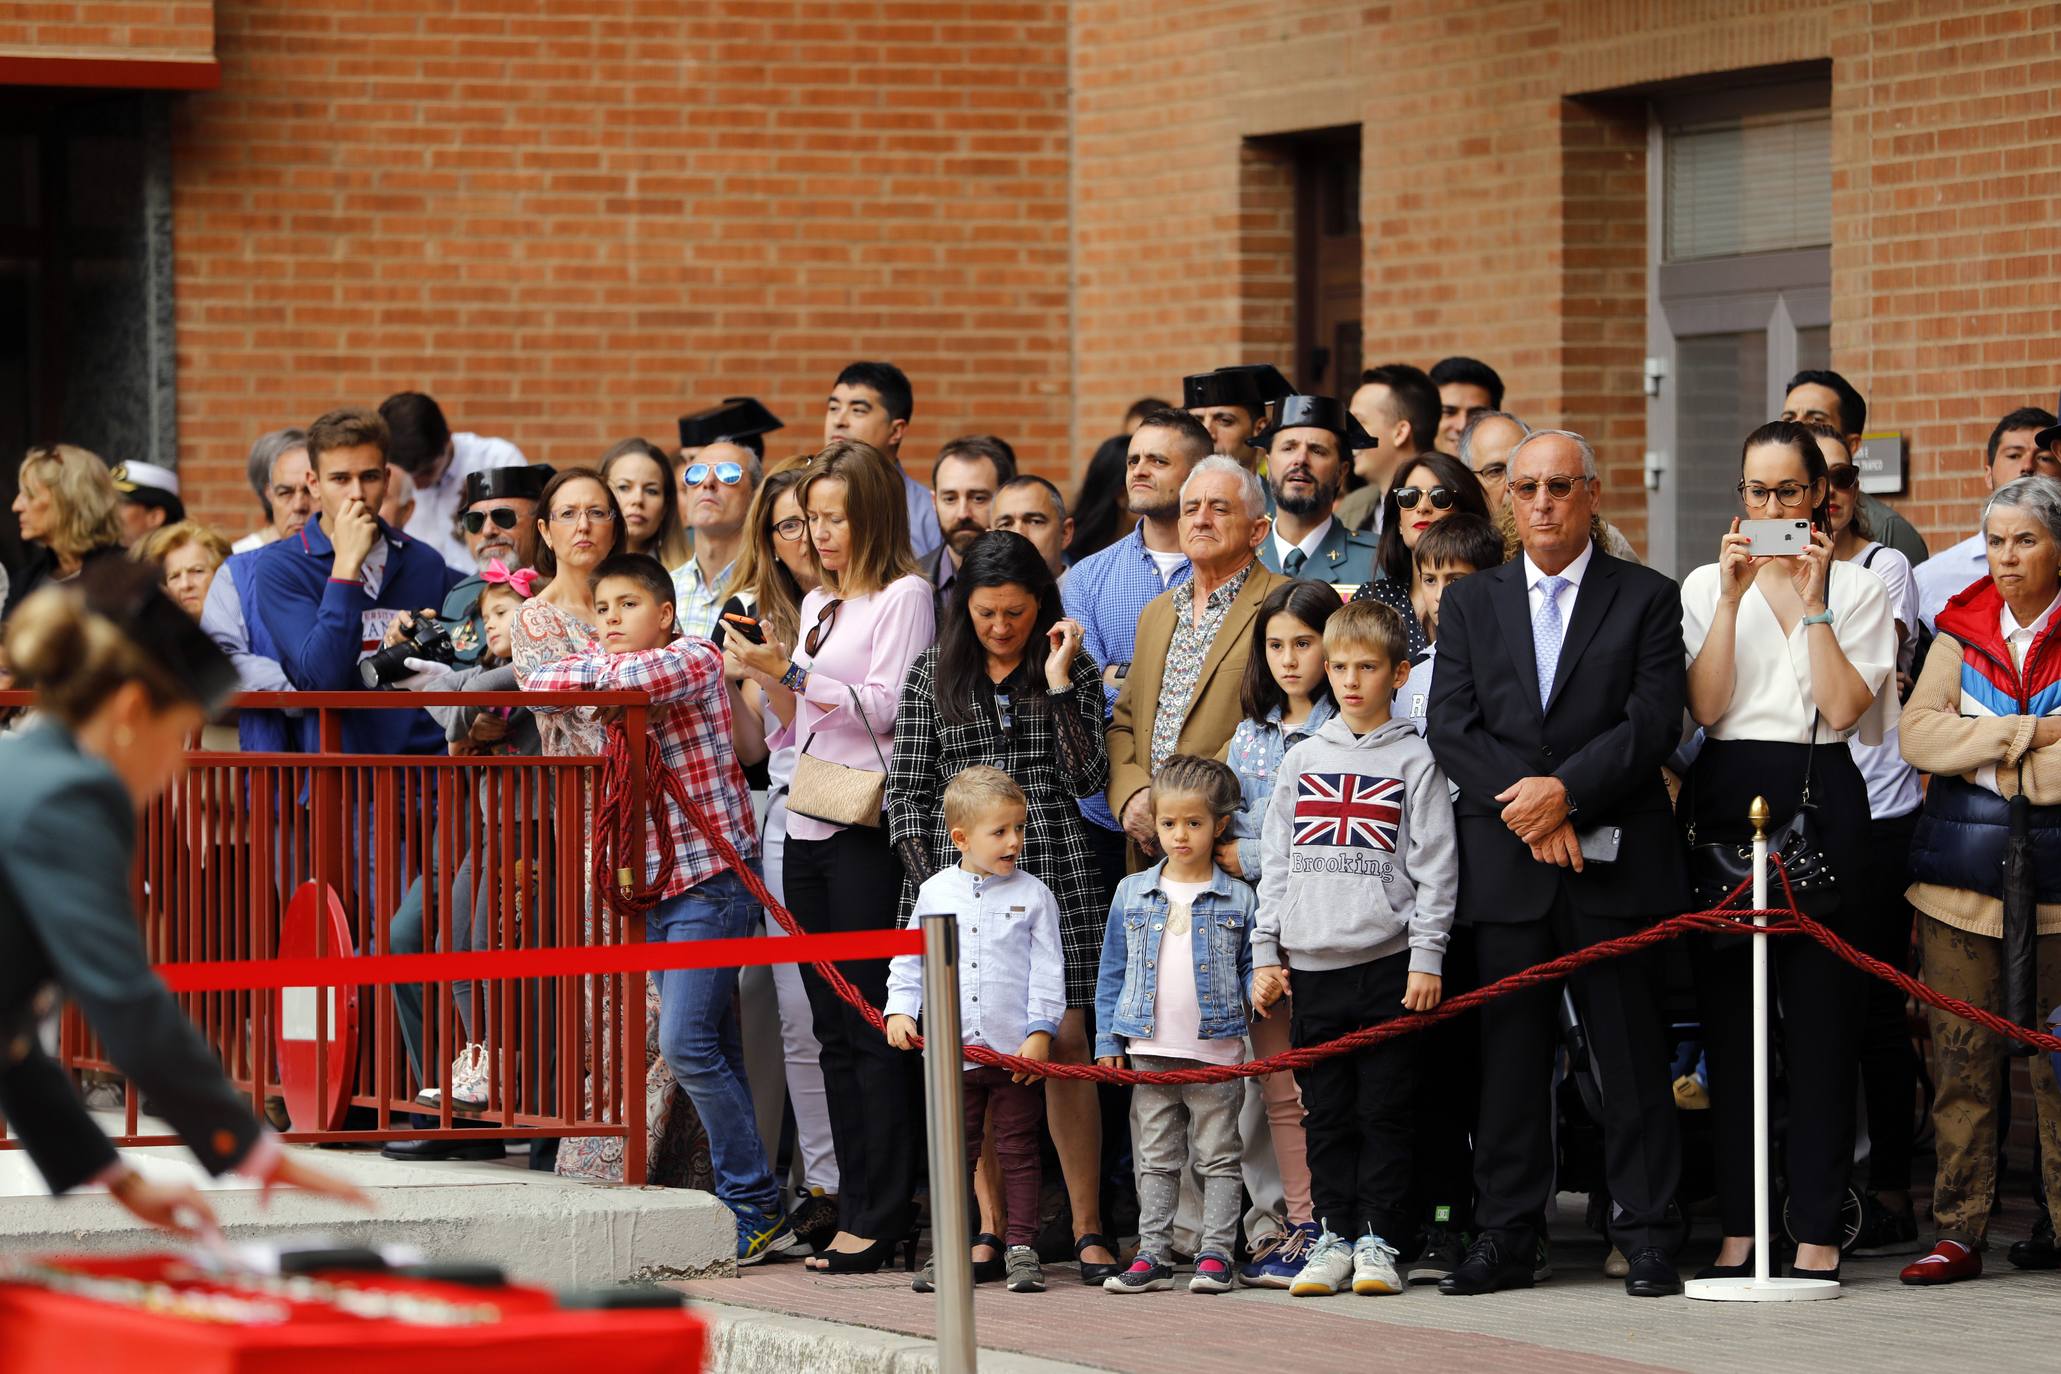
<point x="161" y="30"/>
<point x="573" y="221"/>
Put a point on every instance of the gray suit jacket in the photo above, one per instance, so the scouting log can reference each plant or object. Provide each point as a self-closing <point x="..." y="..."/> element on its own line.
<point x="67" y="849"/>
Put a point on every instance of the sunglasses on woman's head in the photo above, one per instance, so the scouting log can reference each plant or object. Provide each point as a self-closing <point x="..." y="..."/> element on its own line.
<point x="826" y="621"/>
<point x="1442" y="498"/>
<point x="1845" y="476"/>
<point x="729" y="474"/>
<point x="476" y="520"/>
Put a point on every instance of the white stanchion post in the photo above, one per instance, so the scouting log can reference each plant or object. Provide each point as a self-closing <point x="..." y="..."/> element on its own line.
<point x="1763" y="1286"/>
<point x="950" y="1219"/>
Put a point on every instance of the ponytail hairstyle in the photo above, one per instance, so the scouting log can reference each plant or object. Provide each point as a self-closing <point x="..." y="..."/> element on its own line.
<point x="76" y="643"/>
<point x="1191" y="775"/>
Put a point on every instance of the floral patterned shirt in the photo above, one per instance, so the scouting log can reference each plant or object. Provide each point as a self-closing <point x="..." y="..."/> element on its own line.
<point x="1184" y="658"/>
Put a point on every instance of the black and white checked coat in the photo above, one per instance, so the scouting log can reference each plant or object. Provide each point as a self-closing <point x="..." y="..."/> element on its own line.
<point x="1057" y="755"/>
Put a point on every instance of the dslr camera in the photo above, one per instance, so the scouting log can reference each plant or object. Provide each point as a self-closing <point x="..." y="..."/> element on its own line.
<point x="430" y="639"/>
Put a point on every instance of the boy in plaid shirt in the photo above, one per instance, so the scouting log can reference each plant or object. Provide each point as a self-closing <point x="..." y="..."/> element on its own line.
<point x="690" y="723"/>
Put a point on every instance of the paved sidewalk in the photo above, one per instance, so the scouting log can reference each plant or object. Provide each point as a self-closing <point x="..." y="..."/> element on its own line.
<point x="1579" y="1321"/>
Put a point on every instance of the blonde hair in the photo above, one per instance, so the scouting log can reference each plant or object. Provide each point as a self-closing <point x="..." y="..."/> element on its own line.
<point x="1368" y="624"/>
<point x="75" y="658"/>
<point x="776" y="596"/>
<point x="161" y="543"/>
<point x="973" y="791"/>
<point x="876" y="517"/>
<point x="82" y="494"/>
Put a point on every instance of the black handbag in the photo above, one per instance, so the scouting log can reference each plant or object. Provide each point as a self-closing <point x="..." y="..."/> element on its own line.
<point x="1715" y="869"/>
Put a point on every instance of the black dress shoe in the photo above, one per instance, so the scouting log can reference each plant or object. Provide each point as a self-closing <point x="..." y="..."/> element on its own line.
<point x="2038" y="1250"/>
<point x="1651" y="1275"/>
<point x="1488" y="1270"/>
<point x="427" y="1151"/>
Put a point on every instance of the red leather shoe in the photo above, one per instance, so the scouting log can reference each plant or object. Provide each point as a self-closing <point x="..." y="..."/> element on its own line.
<point x="1949" y="1262"/>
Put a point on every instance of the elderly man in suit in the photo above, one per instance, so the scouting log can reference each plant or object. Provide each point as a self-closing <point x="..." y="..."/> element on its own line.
<point x="1559" y="695"/>
<point x="1181" y="695"/>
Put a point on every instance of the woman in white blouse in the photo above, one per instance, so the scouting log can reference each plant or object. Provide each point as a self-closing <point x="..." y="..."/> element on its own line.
<point x="1785" y="652"/>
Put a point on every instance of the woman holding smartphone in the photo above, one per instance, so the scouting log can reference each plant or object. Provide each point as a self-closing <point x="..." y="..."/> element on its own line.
<point x="1789" y="656"/>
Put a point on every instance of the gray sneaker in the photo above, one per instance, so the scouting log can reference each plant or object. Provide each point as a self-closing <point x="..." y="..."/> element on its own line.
<point x="1025" y="1274"/>
<point x="1374" y="1267"/>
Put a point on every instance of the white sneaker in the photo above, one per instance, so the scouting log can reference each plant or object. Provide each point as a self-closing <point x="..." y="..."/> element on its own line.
<point x="1328" y="1269"/>
<point x="469" y="1079"/>
<point x="1374" y="1267"/>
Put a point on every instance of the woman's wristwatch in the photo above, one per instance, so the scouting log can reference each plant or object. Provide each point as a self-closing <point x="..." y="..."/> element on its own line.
<point x="795" y="678"/>
<point x="1823" y="617"/>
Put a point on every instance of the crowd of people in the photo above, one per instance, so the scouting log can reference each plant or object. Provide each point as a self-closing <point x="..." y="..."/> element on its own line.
<point x="1304" y="715"/>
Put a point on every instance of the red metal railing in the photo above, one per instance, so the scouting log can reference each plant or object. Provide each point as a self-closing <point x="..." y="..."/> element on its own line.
<point x="222" y="853"/>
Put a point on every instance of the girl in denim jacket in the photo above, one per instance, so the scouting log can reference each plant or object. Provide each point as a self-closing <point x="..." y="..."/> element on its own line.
<point x="1286" y="696"/>
<point x="1172" y="992"/>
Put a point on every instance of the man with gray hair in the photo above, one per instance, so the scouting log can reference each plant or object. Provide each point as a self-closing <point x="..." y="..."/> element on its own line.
<point x="1559" y="696"/>
<point x="278" y="471"/>
<point x="715" y="496"/>
<point x="1484" y="449"/>
<point x="1181" y="695"/>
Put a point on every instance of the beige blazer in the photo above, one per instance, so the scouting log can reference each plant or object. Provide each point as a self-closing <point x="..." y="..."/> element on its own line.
<point x="1213" y="709"/>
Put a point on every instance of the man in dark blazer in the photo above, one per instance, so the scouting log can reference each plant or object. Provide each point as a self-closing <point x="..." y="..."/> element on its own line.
<point x="1558" y="697"/>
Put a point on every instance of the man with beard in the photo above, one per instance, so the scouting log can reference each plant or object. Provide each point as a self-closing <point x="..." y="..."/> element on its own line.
<point x="1306" y="462"/>
<point x="499" y="524"/>
<point x="963" y="481"/>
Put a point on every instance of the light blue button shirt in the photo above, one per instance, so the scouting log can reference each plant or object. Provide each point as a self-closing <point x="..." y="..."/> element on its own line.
<point x="924" y="534"/>
<point x="1012" y="973"/>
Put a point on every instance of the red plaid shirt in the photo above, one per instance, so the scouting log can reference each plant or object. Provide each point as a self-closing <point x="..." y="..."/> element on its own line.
<point x="690" y="720"/>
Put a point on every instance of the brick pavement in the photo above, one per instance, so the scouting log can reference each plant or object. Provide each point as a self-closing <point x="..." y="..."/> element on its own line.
<point x="1579" y="1321"/>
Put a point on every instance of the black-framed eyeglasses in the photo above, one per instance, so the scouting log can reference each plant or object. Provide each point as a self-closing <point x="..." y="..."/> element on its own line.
<point x="1844" y="476"/>
<point x="826" y="621"/>
<point x="1790" y="494"/>
<point x="503" y="518"/>
<point x="792" y="529"/>
<point x="729" y="474"/>
<point x="1442" y="498"/>
<point x="1559" y="488"/>
<point x="1491" y="472"/>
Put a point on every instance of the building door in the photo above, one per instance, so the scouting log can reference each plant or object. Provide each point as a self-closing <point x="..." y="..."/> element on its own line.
<point x="1327" y="261"/>
<point x="1740" y="192"/>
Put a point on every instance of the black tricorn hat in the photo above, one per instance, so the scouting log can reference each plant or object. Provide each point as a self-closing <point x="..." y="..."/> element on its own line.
<point x="1255" y="386"/>
<point x="185" y="660"/>
<point x="738" y="420"/>
<point x="1320" y="412"/>
<point x="508" y="484"/>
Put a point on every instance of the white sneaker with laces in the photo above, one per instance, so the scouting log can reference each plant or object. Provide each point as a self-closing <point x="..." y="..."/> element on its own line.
<point x="1328" y="1269"/>
<point x="469" y="1079"/>
<point x="1374" y="1267"/>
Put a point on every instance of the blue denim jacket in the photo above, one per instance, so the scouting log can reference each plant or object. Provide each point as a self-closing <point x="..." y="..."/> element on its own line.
<point x="1255" y="753"/>
<point x="1127" y="988"/>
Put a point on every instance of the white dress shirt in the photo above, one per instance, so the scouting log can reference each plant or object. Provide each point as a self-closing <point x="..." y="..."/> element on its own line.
<point x="1945" y="576"/>
<point x="435" y="521"/>
<point x="1771" y="672"/>
<point x="1012" y="975"/>
<point x="1893" y="788"/>
<point x="1574" y="573"/>
<point x="2018" y="640"/>
<point x="1309" y="544"/>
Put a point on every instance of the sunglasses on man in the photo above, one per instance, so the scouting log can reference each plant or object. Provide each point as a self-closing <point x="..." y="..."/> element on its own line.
<point x="729" y="474"/>
<point x="503" y="518"/>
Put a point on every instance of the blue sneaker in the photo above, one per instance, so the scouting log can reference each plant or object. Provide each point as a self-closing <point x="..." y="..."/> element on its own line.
<point x="1279" y="1257"/>
<point x="761" y="1235"/>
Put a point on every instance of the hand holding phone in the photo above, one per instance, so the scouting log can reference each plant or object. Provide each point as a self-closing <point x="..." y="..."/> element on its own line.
<point x="747" y="627"/>
<point x="1776" y="538"/>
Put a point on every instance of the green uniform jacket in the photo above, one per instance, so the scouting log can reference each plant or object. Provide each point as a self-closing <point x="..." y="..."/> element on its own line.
<point x="67" y="849"/>
<point x="1345" y="557"/>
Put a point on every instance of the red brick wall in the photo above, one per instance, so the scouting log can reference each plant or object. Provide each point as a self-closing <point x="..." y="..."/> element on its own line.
<point x="162" y="30"/>
<point x="572" y="221"/>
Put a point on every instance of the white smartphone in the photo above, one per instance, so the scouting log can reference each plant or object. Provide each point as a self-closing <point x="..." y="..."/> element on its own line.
<point x="1776" y="538"/>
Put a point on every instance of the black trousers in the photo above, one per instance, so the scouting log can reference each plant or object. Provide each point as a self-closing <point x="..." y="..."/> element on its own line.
<point x="1513" y="1142"/>
<point x="1448" y="1098"/>
<point x="1879" y="923"/>
<point x="853" y="881"/>
<point x="1358" y="1108"/>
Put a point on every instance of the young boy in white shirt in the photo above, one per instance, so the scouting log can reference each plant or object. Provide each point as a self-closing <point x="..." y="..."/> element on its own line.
<point x="1012" y="993"/>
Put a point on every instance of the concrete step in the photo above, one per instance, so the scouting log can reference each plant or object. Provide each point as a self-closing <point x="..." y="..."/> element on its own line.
<point x="541" y="1228"/>
<point x="745" y="1340"/>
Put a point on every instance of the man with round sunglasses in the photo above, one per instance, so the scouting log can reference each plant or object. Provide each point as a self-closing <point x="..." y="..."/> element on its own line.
<point x="715" y="495"/>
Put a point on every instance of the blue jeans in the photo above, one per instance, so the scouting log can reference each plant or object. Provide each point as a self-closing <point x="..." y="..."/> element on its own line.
<point x="697" y="1033"/>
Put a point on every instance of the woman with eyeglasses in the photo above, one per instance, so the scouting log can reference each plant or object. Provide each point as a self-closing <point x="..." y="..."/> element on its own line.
<point x="637" y="472"/>
<point x="1881" y="914"/>
<point x="1790" y="655"/>
<point x="1424" y="491"/>
<point x="1008" y="685"/>
<point x="861" y="630"/>
<point x="578" y="523"/>
<point x="774" y="572"/>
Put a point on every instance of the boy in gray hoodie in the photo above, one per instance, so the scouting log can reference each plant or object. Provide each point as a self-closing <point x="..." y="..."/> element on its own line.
<point x="1359" y="874"/>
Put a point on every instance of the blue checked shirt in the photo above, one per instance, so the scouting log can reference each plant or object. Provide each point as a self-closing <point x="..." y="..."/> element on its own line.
<point x="1107" y="592"/>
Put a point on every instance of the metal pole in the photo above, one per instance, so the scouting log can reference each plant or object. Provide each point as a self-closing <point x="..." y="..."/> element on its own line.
<point x="950" y="1223"/>
<point x="1763" y="1199"/>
